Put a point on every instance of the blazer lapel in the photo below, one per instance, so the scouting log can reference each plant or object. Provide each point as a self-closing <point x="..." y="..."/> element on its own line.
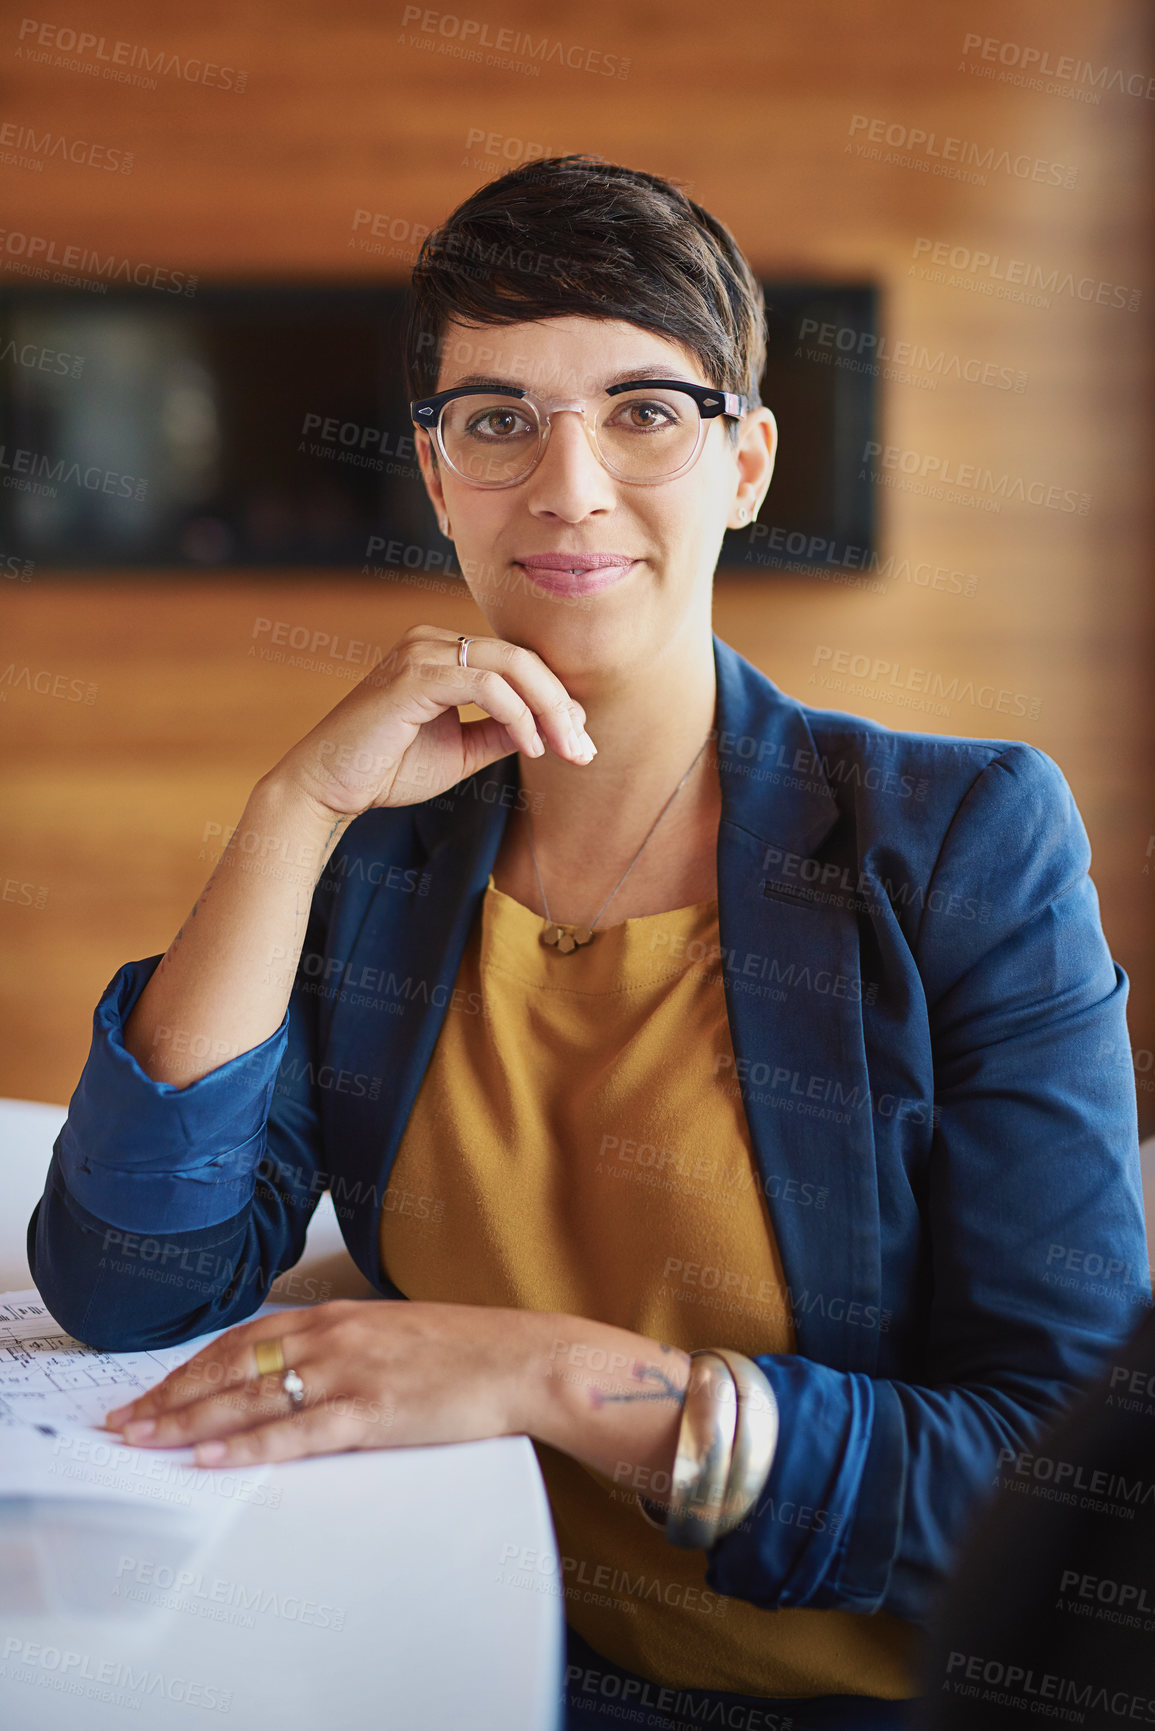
<point x="801" y="1063"/>
<point x="416" y="943"/>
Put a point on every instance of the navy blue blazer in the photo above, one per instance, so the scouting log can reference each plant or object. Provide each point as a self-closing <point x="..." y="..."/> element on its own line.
<point x="950" y="1166"/>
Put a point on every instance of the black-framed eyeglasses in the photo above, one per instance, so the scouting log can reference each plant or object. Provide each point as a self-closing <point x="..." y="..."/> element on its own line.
<point x="643" y="431"/>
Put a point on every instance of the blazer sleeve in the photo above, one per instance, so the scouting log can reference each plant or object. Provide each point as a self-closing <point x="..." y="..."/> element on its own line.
<point x="1035" y="1219"/>
<point x="168" y="1212"/>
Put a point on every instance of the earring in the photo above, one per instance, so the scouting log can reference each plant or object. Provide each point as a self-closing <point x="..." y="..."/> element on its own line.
<point x="445" y="529"/>
<point x="742" y="514"/>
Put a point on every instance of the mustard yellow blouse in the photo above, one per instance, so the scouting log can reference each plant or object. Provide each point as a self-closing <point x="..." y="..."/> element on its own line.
<point x="570" y="1150"/>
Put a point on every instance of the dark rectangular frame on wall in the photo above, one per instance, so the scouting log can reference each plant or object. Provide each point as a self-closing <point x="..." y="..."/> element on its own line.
<point x="267" y="425"/>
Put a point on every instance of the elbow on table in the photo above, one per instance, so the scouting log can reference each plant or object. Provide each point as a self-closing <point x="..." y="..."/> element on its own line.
<point x="113" y="1311"/>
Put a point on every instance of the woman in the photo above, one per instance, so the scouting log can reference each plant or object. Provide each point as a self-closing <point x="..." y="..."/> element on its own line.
<point x="738" y="1026"/>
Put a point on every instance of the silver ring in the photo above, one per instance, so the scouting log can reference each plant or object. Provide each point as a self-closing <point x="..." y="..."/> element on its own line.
<point x="463" y="651"/>
<point x="294" y="1388"/>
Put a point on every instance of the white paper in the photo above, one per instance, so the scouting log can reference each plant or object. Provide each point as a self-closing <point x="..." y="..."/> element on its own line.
<point x="54" y="1393"/>
<point x="74" y="1495"/>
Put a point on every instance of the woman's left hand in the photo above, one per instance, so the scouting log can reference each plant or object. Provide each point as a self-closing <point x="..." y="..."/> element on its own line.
<point x="376" y="1374"/>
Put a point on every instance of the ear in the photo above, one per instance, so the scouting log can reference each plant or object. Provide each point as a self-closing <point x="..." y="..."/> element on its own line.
<point x="755" y="456"/>
<point x="430" y="472"/>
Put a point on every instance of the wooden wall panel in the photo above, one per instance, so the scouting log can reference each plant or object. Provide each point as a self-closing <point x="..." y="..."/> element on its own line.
<point x="755" y="110"/>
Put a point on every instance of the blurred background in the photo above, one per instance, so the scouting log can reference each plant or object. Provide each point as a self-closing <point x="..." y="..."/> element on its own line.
<point x="211" y="522"/>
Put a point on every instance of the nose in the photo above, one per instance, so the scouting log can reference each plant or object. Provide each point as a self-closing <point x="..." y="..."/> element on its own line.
<point x="569" y="482"/>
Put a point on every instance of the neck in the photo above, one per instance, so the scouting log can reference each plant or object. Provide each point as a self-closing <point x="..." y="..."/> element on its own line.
<point x="647" y="725"/>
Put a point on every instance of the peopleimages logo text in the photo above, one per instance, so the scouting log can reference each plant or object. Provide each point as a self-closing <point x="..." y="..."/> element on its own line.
<point x="1038" y="62"/>
<point x="110" y="59"/>
<point x="1041" y="279"/>
<point x="37" y="247"/>
<point x="931" y="681"/>
<point x="973" y="478"/>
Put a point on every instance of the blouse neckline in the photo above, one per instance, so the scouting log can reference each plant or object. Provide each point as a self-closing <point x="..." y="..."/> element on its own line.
<point x="634" y="952"/>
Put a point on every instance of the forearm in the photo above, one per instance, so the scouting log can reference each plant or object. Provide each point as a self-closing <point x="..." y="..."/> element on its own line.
<point x="224" y="983"/>
<point x="608" y="1397"/>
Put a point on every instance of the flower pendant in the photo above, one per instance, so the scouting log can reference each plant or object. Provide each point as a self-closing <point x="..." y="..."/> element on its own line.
<point x="565" y="940"/>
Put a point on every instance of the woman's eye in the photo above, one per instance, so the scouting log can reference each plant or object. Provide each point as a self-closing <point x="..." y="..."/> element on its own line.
<point x="497" y="423"/>
<point x="647" y="417"/>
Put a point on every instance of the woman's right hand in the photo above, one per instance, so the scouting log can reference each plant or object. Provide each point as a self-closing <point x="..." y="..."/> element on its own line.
<point x="397" y="738"/>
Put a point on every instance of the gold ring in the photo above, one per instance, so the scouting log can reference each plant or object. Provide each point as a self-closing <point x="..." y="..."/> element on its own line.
<point x="270" y="1359"/>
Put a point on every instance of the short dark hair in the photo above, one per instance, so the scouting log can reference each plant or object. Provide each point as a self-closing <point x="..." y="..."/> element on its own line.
<point x="568" y="235"/>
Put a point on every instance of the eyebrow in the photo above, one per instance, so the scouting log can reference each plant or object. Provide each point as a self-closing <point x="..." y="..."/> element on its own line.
<point x="489" y="381"/>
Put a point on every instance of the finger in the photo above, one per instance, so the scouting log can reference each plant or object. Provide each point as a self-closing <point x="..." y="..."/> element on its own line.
<point x="430" y="688"/>
<point x="259" y="1401"/>
<point x="225" y="1362"/>
<point x="323" y="1431"/>
<point x="560" y="718"/>
<point x="485" y="742"/>
<point x="446" y="684"/>
<point x="189" y="1382"/>
<point x="515" y="686"/>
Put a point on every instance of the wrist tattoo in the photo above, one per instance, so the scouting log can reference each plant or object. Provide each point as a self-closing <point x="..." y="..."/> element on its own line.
<point x="667" y="1388"/>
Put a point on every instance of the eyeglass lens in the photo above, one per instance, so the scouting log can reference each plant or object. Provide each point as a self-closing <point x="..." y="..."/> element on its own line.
<point x="641" y="435"/>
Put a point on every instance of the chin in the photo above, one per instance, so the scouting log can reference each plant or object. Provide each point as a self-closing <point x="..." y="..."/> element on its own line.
<point x="582" y="648"/>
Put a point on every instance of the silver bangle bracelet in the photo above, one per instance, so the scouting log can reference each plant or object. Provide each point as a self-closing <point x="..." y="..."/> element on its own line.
<point x="721" y="1464"/>
<point x="702" y="1452"/>
<point x="705" y="1446"/>
<point x="755" y="1440"/>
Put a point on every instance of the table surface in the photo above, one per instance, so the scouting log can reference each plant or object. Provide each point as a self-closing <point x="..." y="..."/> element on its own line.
<point x="374" y="1593"/>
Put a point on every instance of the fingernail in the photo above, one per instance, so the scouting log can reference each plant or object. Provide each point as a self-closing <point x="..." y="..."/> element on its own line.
<point x="586" y="744"/>
<point x="536" y="745"/>
<point x="117" y="1413"/>
<point x="207" y="1452"/>
<point x="139" y="1429"/>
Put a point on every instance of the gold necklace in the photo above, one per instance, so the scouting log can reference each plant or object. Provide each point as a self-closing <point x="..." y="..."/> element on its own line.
<point x="569" y="939"/>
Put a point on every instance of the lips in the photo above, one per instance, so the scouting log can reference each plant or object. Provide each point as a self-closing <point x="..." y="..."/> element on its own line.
<point x="574" y="562"/>
<point x="576" y="573"/>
